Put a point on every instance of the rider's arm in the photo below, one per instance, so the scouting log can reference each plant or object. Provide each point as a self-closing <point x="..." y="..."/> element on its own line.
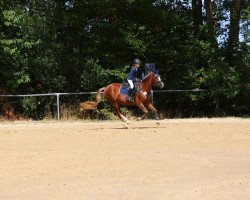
<point x="131" y="73"/>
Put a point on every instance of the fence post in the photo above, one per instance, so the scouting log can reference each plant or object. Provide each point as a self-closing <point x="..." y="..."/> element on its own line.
<point x="152" y="96"/>
<point x="58" y="106"/>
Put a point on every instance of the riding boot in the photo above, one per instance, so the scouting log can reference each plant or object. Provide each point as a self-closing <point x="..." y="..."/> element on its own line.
<point x="129" y="96"/>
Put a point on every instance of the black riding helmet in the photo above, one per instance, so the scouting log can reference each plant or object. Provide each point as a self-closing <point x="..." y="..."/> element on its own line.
<point x="136" y="61"/>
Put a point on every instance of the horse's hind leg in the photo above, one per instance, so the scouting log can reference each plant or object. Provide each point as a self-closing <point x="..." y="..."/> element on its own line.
<point x="118" y="113"/>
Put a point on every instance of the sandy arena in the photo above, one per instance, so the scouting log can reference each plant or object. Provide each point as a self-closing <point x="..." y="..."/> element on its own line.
<point x="192" y="159"/>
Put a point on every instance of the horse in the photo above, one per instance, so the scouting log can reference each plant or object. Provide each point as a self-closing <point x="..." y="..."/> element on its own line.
<point x="116" y="99"/>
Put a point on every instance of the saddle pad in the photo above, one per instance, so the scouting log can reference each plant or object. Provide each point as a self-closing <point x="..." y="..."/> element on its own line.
<point x="124" y="89"/>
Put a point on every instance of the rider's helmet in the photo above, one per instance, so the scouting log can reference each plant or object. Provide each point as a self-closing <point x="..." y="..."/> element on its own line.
<point x="136" y="61"/>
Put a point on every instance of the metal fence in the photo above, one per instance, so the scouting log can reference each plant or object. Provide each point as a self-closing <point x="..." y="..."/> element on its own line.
<point x="57" y="95"/>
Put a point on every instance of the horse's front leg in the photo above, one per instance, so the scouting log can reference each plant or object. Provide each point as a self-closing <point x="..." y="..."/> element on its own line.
<point x="142" y="107"/>
<point x="157" y="116"/>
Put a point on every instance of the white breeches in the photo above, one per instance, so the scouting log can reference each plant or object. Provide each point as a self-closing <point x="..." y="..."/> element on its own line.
<point x="131" y="84"/>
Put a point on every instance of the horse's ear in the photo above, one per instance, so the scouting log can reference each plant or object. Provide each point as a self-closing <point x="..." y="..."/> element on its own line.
<point x="157" y="71"/>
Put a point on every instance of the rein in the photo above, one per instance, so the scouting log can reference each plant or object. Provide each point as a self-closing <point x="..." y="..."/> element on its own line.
<point x="140" y="89"/>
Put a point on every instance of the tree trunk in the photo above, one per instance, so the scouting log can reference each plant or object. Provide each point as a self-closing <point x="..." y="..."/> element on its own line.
<point x="233" y="39"/>
<point x="197" y="13"/>
<point x="210" y="21"/>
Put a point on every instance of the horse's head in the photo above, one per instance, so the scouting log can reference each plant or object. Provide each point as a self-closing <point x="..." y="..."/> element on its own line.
<point x="152" y="79"/>
<point x="157" y="82"/>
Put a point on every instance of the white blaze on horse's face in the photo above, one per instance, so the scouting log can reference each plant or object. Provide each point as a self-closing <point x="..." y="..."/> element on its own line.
<point x="159" y="83"/>
<point x="159" y="79"/>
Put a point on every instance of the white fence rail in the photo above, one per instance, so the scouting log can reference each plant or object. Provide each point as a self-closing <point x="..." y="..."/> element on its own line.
<point x="57" y="95"/>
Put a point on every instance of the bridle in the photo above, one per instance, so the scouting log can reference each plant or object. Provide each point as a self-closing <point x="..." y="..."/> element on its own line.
<point x="157" y="81"/>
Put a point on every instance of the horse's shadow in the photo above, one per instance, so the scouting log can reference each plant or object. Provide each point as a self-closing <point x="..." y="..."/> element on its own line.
<point x="134" y="128"/>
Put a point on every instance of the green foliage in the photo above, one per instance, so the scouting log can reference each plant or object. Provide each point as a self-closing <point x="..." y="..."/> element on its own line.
<point x="47" y="47"/>
<point x="29" y="104"/>
<point x="92" y="72"/>
<point x="223" y="81"/>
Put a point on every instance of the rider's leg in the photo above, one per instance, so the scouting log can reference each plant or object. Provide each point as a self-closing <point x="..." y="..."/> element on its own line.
<point x="130" y="90"/>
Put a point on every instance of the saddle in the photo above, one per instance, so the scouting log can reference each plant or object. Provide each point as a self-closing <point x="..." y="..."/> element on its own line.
<point x="125" y="87"/>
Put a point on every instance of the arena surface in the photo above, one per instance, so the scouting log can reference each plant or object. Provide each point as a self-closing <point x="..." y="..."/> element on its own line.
<point x="192" y="159"/>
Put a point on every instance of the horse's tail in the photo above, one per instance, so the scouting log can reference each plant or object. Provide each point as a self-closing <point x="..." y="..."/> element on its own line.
<point x="90" y="105"/>
<point x="98" y="96"/>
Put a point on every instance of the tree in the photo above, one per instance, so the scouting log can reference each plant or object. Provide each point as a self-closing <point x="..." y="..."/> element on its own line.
<point x="197" y="13"/>
<point x="233" y="39"/>
<point x="54" y="46"/>
<point x="210" y="22"/>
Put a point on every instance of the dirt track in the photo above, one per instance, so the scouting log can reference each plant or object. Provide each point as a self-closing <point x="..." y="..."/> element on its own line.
<point x="196" y="159"/>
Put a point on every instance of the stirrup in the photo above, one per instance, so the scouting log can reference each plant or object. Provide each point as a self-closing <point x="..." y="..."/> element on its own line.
<point x="129" y="98"/>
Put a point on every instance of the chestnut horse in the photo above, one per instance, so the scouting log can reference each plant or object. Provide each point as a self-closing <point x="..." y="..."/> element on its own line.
<point x="115" y="98"/>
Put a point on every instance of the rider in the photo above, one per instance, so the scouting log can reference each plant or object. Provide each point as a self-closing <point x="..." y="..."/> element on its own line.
<point x="133" y="78"/>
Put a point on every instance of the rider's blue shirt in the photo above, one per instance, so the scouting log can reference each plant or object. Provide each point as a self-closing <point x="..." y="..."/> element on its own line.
<point x="132" y="73"/>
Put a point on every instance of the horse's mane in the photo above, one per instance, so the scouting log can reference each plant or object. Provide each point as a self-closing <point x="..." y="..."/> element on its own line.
<point x="147" y="76"/>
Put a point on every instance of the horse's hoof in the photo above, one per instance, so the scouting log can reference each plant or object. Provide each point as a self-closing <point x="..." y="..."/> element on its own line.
<point x="141" y="118"/>
<point x="158" y="122"/>
<point x="125" y="125"/>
